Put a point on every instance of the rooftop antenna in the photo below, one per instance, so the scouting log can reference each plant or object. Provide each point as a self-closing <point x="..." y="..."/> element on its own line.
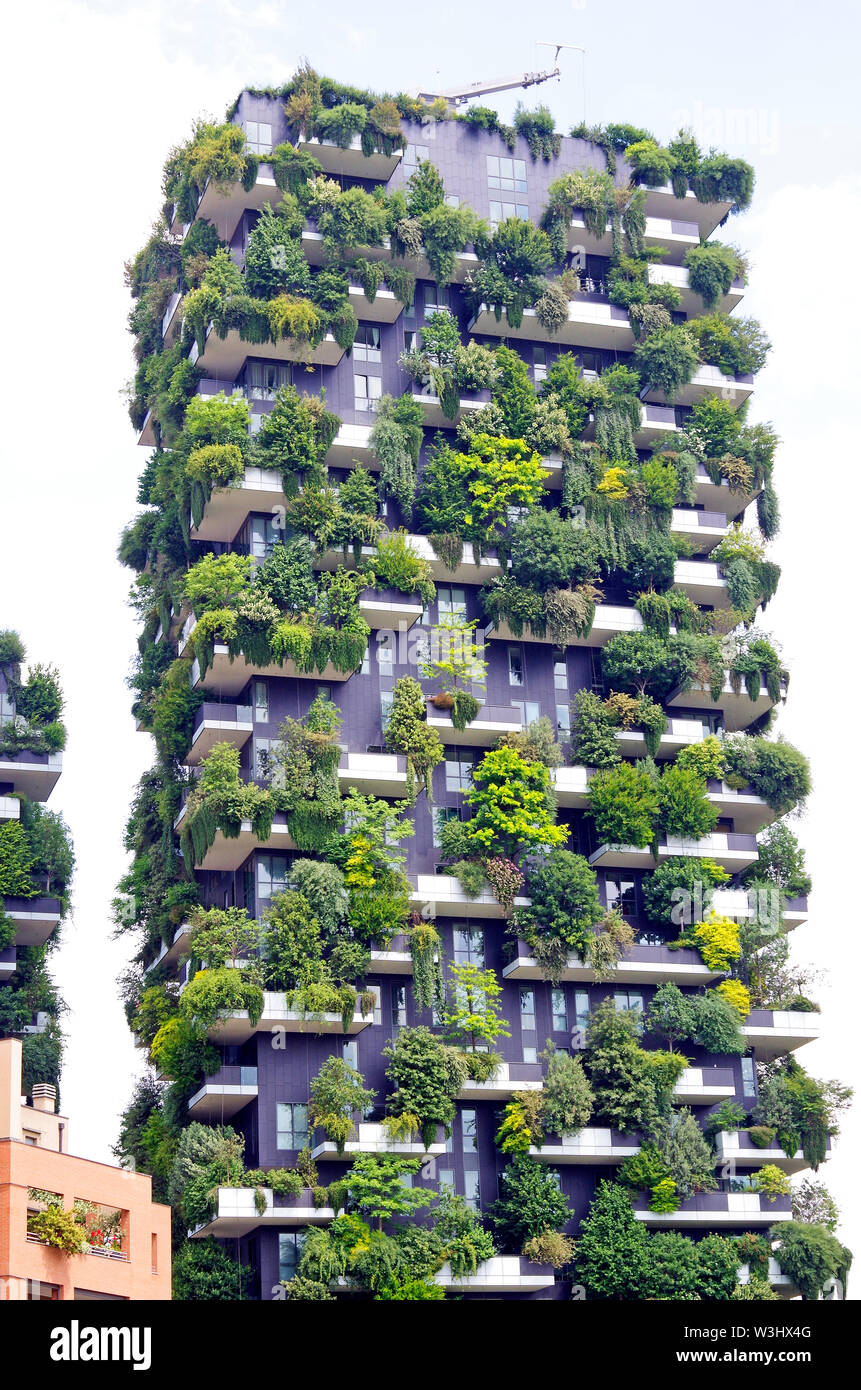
<point x="460" y="96"/>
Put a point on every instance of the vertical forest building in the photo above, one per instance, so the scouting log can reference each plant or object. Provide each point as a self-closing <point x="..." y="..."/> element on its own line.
<point x="460" y="889"/>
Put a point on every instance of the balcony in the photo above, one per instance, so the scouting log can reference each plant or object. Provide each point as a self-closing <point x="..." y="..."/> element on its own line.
<point x="703" y="582"/>
<point x="172" y="954"/>
<point x="642" y="965"/>
<point x="10" y="808"/>
<point x="230" y="675"/>
<point x="703" y="530"/>
<point x="737" y="708"/>
<point x="749" y="813"/>
<point x="352" y="162"/>
<point x="772" y="1033"/>
<point x="588" y="1146"/>
<point x="219" y="724"/>
<point x="389" y="609"/>
<point x="237" y="1213"/>
<point x="171" y="324"/>
<point x="277" y="1018"/>
<point x="679" y="277"/>
<point x="622" y="857"/>
<point x="442" y="896"/>
<point x="675" y="237"/>
<point x="383" y="308"/>
<point x="224" y="1094"/>
<point x="720" y="495"/>
<point x="662" y="202"/>
<point x="500" y="1274"/>
<point x="34" y="775"/>
<point x="780" y="1282"/>
<point x="732" y="851"/>
<point x="508" y="1078"/>
<point x="593" y="322"/>
<point x="706" y="381"/>
<point x="373" y="1139"/>
<point x="705" y="1086"/>
<point x="491" y="722"/>
<point x="571" y="785"/>
<point x="469" y="569"/>
<point x="435" y="417"/>
<point x="608" y="621"/>
<point x="680" y="733"/>
<point x="394" y="959"/>
<point x="352" y="444"/>
<point x="224" y="206"/>
<point x="736" y="902"/>
<point x="376" y="774"/>
<point x="259" y="490"/>
<point x="146" y="437"/>
<point x="464" y="261"/>
<point x="228" y="853"/>
<point x="35" y="918"/>
<point x="225" y="357"/>
<point x="737" y="1147"/>
<point x="713" y="1209"/>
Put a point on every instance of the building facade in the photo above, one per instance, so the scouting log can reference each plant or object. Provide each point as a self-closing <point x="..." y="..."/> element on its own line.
<point x="548" y="361"/>
<point x="124" y="1236"/>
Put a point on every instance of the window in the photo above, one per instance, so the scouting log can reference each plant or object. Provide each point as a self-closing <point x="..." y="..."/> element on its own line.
<point x="445" y="1178"/>
<point x="258" y="137"/>
<point x="366" y="345"/>
<point x="291" y="1126"/>
<point x="458" y="770"/>
<point x="748" y="1076"/>
<point x="30" y="1138"/>
<point x="436" y="297"/>
<point x="387" y="699"/>
<point x="264" y="379"/>
<point x="530" y="710"/>
<point x="527" y="1011"/>
<point x="261" y="760"/>
<point x="597" y="673"/>
<point x="441" y="815"/>
<point x="581" y="1007"/>
<point x="629" y="999"/>
<point x="539" y="364"/>
<point x="563" y="719"/>
<point x="501" y="212"/>
<point x="560" y="674"/>
<point x="621" y="895"/>
<point x="471" y="1189"/>
<point x="367" y="391"/>
<point x="7" y="707"/>
<point x="515" y="666"/>
<point x="260" y="697"/>
<point x="415" y="154"/>
<point x="559" y="1011"/>
<point x="350" y="1053"/>
<point x="265" y="533"/>
<point x="467" y="1131"/>
<point x="590" y="365"/>
<point x="508" y="175"/>
<point x="289" y="1250"/>
<point x="385" y="652"/>
<point x="468" y="946"/>
<point x="451" y="600"/>
<point x="271" y="875"/>
<point x="399" y="1006"/>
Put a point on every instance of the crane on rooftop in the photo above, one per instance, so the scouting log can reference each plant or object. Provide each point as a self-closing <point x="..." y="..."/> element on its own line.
<point x="459" y="96"/>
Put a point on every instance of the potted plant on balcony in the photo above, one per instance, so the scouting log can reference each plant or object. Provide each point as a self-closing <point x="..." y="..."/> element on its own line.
<point x="456" y="661"/>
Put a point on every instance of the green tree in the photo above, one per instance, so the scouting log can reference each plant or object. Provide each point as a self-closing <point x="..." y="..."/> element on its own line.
<point x="810" y="1256"/>
<point x="377" y="1188"/>
<point x="512" y="804"/>
<point x="337" y="1092"/>
<point x="529" y="1203"/>
<point x="472" y="1011"/>
<point x="671" y="1014"/>
<point x="623" y="801"/>
<point x="203" y="1272"/>
<point x="426" y="1078"/>
<point x="566" y="1098"/>
<point x="612" y="1259"/>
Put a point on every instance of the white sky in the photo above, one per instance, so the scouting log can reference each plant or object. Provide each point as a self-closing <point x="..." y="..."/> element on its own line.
<point x="97" y="93"/>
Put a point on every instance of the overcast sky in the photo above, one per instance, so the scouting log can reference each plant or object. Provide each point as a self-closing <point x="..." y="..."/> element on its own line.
<point x="97" y="93"/>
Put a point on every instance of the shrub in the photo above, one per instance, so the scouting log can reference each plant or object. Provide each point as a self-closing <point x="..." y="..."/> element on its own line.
<point x="612" y="1254"/>
<point x="667" y="360"/>
<point x="550" y="1248"/>
<point x="679" y="891"/>
<point x="567" y="1096"/>
<point x="529" y="1203"/>
<point x="737" y="995"/>
<point x="712" y="269"/>
<point x="565" y="904"/>
<point x="337" y="1091"/>
<point x="623" y="802"/>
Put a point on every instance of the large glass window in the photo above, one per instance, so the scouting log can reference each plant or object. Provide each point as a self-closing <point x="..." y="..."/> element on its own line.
<point x="458" y="770"/>
<point x="399" y="1006"/>
<point x="415" y="154"/>
<point x="289" y="1250"/>
<point x="264" y="379"/>
<point x="472" y="1189"/>
<point x="366" y="345"/>
<point x="271" y="874"/>
<point x="260" y="697"/>
<point x="451" y="600"/>
<point x="291" y="1126"/>
<point x="621" y="895"/>
<point x="367" y="391"/>
<point x="559" y="1010"/>
<point x="258" y="137"/>
<point x="748" y="1076"/>
<point x="629" y="999"/>
<point x="516" y="666"/>
<point x="468" y="945"/>
<point x="527" y="1010"/>
<point x="508" y="175"/>
<point x="467" y="1130"/>
<point x="265" y="533"/>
